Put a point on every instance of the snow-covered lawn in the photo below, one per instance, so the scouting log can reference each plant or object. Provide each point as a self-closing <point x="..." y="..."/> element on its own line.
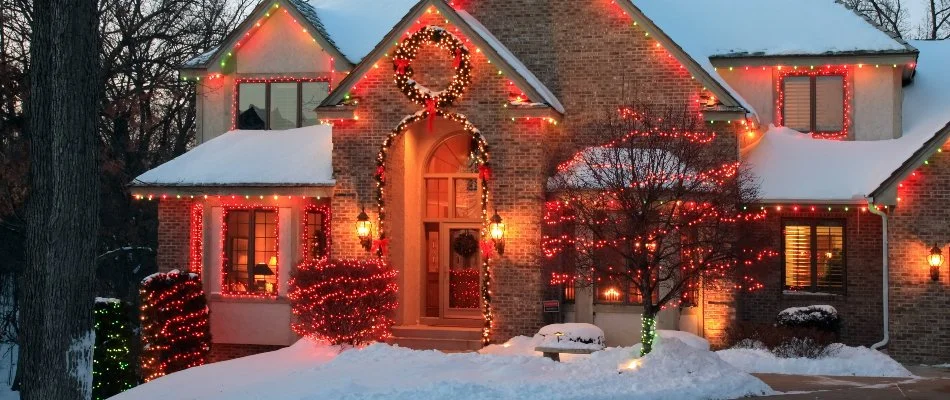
<point x="848" y="361"/>
<point x="309" y="370"/>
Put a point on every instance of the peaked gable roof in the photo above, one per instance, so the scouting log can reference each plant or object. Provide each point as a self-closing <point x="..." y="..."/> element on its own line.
<point x="503" y="58"/>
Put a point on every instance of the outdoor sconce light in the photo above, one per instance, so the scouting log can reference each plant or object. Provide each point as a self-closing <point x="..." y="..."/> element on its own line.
<point x="364" y="230"/>
<point x="496" y="230"/>
<point x="936" y="260"/>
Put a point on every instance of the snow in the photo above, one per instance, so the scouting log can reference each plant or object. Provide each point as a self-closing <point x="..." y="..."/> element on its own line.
<point x="800" y="313"/>
<point x="79" y="361"/>
<point x="8" y="361"/>
<point x="512" y="61"/>
<point x="311" y="370"/>
<point x="690" y="339"/>
<point x="848" y="361"/>
<point x="201" y="59"/>
<point x="792" y="166"/>
<point x="108" y="300"/>
<point x="356" y="26"/>
<point x="294" y="157"/>
<point x="577" y="336"/>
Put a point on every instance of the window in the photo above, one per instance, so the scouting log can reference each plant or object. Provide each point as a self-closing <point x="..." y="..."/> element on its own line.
<point x="613" y="285"/>
<point x="452" y="190"/>
<point x="250" y="262"/>
<point x="316" y="233"/>
<point x="814" y="256"/>
<point x="814" y="103"/>
<point x="279" y="105"/>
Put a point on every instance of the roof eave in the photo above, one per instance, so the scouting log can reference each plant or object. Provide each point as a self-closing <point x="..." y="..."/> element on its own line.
<point x="885" y="191"/>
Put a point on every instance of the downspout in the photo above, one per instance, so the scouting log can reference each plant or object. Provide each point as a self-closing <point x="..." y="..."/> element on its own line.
<point x="885" y="273"/>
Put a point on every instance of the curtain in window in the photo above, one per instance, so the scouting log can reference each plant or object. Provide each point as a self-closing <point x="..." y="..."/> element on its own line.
<point x="797" y="256"/>
<point x="797" y="103"/>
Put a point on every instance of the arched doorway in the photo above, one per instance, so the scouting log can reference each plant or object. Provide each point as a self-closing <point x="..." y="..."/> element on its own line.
<point x="452" y="221"/>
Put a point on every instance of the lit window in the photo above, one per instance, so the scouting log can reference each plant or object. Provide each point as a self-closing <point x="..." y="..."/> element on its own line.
<point x="813" y="103"/>
<point x="250" y="262"/>
<point x="279" y="105"/>
<point x="814" y="256"/>
<point x="316" y="233"/>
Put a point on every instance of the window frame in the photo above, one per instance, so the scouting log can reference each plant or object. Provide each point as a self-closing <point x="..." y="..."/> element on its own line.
<point x="813" y="244"/>
<point x="226" y="250"/>
<point x="844" y="72"/>
<point x="326" y="227"/>
<point x="236" y="107"/>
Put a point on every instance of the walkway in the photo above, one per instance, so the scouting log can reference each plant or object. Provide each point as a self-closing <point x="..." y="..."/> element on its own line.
<point x="930" y="383"/>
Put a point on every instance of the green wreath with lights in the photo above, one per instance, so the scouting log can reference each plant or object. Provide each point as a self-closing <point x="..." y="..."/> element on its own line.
<point x="408" y="50"/>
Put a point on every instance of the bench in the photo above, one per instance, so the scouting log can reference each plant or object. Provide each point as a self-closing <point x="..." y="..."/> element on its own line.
<point x="554" y="353"/>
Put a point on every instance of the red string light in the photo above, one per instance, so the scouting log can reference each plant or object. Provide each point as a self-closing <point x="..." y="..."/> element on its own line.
<point x="225" y="289"/>
<point x="196" y="239"/>
<point x="829" y="70"/>
<point x="175" y="330"/>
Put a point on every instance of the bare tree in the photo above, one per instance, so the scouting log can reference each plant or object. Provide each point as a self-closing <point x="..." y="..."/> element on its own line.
<point x="63" y="206"/>
<point x="936" y="24"/>
<point x="652" y="212"/>
<point x="891" y="15"/>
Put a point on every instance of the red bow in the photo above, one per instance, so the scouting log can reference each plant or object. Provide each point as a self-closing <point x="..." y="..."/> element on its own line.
<point x="484" y="173"/>
<point x="380" y="172"/>
<point x="401" y="64"/>
<point x="431" y="109"/>
<point x="458" y="58"/>
<point x="381" y="247"/>
<point x="488" y="249"/>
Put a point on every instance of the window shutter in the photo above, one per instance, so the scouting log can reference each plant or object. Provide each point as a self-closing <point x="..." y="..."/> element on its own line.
<point x="829" y="103"/>
<point x="797" y="256"/>
<point x="797" y="103"/>
<point x="311" y="95"/>
<point x="283" y="105"/>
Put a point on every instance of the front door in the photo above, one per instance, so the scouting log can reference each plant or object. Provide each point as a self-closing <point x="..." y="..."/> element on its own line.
<point x="460" y="277"/>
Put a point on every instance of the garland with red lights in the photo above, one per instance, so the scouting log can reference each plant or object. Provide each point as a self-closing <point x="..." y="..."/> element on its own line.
<point x="479" y="153"/>
<point x="176" y="334"/>
<point x="407" y="52"/>
<point x="345" y="302"/>
<point x="225" y="290"/>
<point x="828" y="70"/>
<point x="325" y="228"/>
<point x="195" y="238"/>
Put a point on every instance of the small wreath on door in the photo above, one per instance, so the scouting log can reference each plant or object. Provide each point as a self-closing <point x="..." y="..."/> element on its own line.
<point x="465" y="245"/>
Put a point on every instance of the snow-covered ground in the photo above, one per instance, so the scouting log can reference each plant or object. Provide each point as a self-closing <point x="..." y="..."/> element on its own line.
<point x="848" y="361"/>
<point x="309" y="370"/>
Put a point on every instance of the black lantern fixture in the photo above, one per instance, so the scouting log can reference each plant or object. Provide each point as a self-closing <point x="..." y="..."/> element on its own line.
<point x="935" y="259"/>
<point x="364" y="230"/>
<point x="496" y="231"/>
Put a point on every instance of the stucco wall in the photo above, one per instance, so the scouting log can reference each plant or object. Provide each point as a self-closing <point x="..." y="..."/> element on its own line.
<point x="876" y="99"/>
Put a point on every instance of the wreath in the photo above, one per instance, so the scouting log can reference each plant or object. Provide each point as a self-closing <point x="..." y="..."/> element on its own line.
<point x="465" y="245"/>
<point x="407" y="52"/>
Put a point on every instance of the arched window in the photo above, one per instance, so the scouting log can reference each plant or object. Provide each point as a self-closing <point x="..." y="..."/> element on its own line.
<point x="451" y="182"/>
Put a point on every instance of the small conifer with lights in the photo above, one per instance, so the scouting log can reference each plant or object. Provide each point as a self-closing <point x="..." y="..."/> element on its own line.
<point x="113" y="370"/>
<point x="344" y="302"/>
<point x="176" y="334"/>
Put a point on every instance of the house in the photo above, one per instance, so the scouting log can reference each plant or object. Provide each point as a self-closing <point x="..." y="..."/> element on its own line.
<point x="332" y="119"/>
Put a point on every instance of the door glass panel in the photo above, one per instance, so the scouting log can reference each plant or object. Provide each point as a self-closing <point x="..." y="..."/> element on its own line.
<point x="437" y="198"/>
<point x="432" y="267"/>
<point x="467" y="201"/>
<point x="464" y="269"/>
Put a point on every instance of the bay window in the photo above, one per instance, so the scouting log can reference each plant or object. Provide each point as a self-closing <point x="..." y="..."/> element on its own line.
<point x="283" y="104"/>
<point x="250" y="252"/>
<point x="814" y="256"/>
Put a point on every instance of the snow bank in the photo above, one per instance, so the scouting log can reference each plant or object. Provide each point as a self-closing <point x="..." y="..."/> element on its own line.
<point x="310" y="370"/>
<point x="849" y="361"/>
<point x="690" y="339"/>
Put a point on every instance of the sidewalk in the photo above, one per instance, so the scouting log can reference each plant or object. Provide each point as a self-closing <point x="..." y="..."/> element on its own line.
<point x="930" y="383"/>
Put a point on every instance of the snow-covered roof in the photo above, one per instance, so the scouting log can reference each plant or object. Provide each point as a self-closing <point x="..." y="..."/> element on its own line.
<point x="513" y="61"/>
<point x="355" y="26"/>
<point x="294" y="157"/>
<point x="792" y="166"/>
<point x="201" y="59"/>
<point x="707" y="29"/>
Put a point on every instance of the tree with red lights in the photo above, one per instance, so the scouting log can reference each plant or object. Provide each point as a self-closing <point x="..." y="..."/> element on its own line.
<point x="176" y="334"/>
<point x="653" y="211"/>
<point x="345" y="302"/>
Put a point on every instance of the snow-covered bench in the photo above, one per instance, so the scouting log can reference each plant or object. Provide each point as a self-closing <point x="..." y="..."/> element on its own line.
<point x="570" y="339"/>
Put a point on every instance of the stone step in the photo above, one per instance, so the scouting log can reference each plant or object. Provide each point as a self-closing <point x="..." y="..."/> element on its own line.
<point x="445" y="345"/>
<point x="453" y="322"/>
<point x="437" y="332"/>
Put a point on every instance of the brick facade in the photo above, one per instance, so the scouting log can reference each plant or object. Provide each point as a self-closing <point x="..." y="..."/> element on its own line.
<point x="174" y="221"/>
<point x="920" y="329"/>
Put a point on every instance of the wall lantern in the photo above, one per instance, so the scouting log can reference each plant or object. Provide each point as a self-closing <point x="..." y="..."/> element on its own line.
<point x="364" y="230"/>
<point x="935" y="259"/>
<point x="496" y="231"/>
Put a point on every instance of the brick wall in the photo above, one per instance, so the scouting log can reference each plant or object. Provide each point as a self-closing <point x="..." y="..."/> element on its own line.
<point x="859" y="307"/>
<point x="226" y="351"/>
<point x="589" y="53"/>
<point x="920" y="329"/>
<point x="174" y="221"/>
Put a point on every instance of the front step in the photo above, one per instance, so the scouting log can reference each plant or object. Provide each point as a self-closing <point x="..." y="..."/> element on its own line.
<point x="442" y="338"/>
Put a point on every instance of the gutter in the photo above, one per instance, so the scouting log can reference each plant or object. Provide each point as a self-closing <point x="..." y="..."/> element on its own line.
<point x="885" y="272"/>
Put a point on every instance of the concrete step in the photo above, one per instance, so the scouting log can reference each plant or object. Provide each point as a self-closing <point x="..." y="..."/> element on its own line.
<point x="437" y="332"/>
<point x="453" y="322"/>
<point x="445" y="345"/>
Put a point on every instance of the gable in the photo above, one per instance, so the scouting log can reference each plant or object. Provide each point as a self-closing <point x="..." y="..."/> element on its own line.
<point x="473" y="33"/>
<point x="279" y="46"/>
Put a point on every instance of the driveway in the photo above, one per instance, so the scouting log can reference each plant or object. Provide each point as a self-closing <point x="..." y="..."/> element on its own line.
<point x="930" y="383"/>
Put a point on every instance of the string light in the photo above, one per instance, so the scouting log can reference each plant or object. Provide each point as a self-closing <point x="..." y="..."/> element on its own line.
<point x="176" y="334"/>
<point x="407" y="52"/>
<point x="842" y="71"/>
<point x="112" y="371"/>
<point x="196" y="238"/>
<point x="225" y="287"/>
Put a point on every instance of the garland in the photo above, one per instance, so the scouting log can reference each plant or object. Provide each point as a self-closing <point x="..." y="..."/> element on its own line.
<point x="478" y="152"/>
<point x="407" y="52"/>
<point x="465" y="245"/>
